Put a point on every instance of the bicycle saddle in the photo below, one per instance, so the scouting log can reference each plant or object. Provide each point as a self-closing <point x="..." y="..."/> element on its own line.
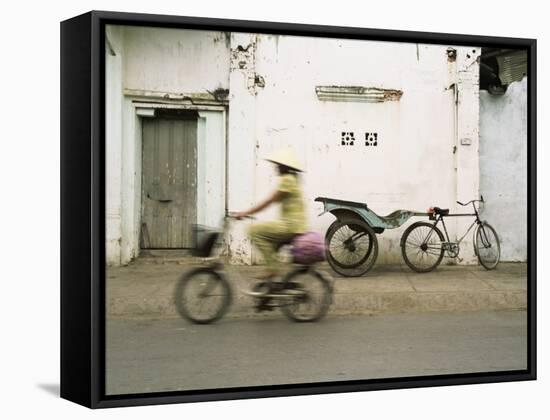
<point x="443" y="212"/>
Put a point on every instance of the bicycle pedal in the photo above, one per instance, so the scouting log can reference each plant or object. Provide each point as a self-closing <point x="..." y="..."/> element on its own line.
<point x="264" y="307"/>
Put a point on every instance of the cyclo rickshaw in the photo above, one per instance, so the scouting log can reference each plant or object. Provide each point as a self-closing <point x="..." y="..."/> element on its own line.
<point x="352" y="245"/>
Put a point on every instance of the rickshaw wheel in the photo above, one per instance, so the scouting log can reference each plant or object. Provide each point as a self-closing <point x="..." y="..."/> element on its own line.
<point x="352" y="247"/>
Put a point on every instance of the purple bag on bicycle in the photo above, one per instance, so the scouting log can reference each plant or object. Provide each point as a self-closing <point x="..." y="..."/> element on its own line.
<point x="308" y="248"/>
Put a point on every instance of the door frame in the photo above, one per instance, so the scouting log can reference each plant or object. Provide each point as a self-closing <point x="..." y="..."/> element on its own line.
<point x="212" y="120"/>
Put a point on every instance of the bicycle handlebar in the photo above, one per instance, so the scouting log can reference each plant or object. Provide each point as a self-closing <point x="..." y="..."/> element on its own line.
<point x="232" y="216"/>
<point x="471" y="201"/>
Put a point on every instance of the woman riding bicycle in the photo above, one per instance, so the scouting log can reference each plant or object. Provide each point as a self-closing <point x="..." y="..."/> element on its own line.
<point x="269" y="236"/>
<point x="304" y="294"/>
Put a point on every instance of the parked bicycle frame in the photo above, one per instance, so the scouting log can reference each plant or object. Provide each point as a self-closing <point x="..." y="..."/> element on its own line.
<point x="423" y="245"/>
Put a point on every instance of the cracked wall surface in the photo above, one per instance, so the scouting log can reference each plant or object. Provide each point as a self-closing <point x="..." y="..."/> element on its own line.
<point x="243" y="60"/>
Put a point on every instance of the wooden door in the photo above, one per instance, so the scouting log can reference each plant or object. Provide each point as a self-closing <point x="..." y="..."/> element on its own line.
<point x="169" y="182"/>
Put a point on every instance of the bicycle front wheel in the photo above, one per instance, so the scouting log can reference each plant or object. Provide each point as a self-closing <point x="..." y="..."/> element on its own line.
<point x="202" y="296"/>
<point x="310" y="295"/>
<point x="421" y="247"/>
<point x="487" y="246"/>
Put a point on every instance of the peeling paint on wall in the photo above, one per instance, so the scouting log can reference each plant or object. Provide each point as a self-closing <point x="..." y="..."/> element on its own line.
<point x="259" y="81"/>
<point x="223" y="36"/>
<point x="451" y="55"/>
<point x="220" y="94"/>
<point x="243" y="58"/>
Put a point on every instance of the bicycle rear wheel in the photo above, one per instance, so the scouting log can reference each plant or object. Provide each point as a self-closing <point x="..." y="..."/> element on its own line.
<point x="311" y="295"/>
<point x="487" y="246"/>
<point x="421" y="247"/>
<point x="202" y="295"/>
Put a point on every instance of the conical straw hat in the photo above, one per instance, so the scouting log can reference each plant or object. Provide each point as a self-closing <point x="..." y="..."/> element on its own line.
<point x="286" y="157"/>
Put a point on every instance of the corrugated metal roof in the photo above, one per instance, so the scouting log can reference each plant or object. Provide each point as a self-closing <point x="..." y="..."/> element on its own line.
<point x="512" y="66"/>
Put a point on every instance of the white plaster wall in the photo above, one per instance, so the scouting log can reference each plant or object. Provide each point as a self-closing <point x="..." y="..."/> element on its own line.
<point x="123" y="157"/>
<point x="113" y="109"/>
<point x="175" y="60"/>
<point x="241" y="153"/>
<point x="466" y="80"/>
<point x="413" y="166"/>
<point x="503" y="163"/>
<point x="210" y="167"/>
<point x="131" y="182"/>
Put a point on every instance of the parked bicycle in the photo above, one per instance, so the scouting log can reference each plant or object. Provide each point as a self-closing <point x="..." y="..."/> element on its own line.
<point x="203" y="295"/>
<point x="423" y="245"/>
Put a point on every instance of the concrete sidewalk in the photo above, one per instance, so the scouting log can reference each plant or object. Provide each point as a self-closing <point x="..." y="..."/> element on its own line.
<point x="144" y="289"/>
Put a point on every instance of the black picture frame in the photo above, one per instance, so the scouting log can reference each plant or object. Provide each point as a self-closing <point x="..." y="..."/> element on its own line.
<point x="83" y="208"/>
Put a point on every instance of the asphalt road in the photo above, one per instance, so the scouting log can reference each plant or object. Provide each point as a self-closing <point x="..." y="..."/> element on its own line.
<point x="168" y="355"/>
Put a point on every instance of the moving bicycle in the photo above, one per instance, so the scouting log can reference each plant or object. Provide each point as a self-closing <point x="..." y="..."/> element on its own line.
<point x="203" y="295"/>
